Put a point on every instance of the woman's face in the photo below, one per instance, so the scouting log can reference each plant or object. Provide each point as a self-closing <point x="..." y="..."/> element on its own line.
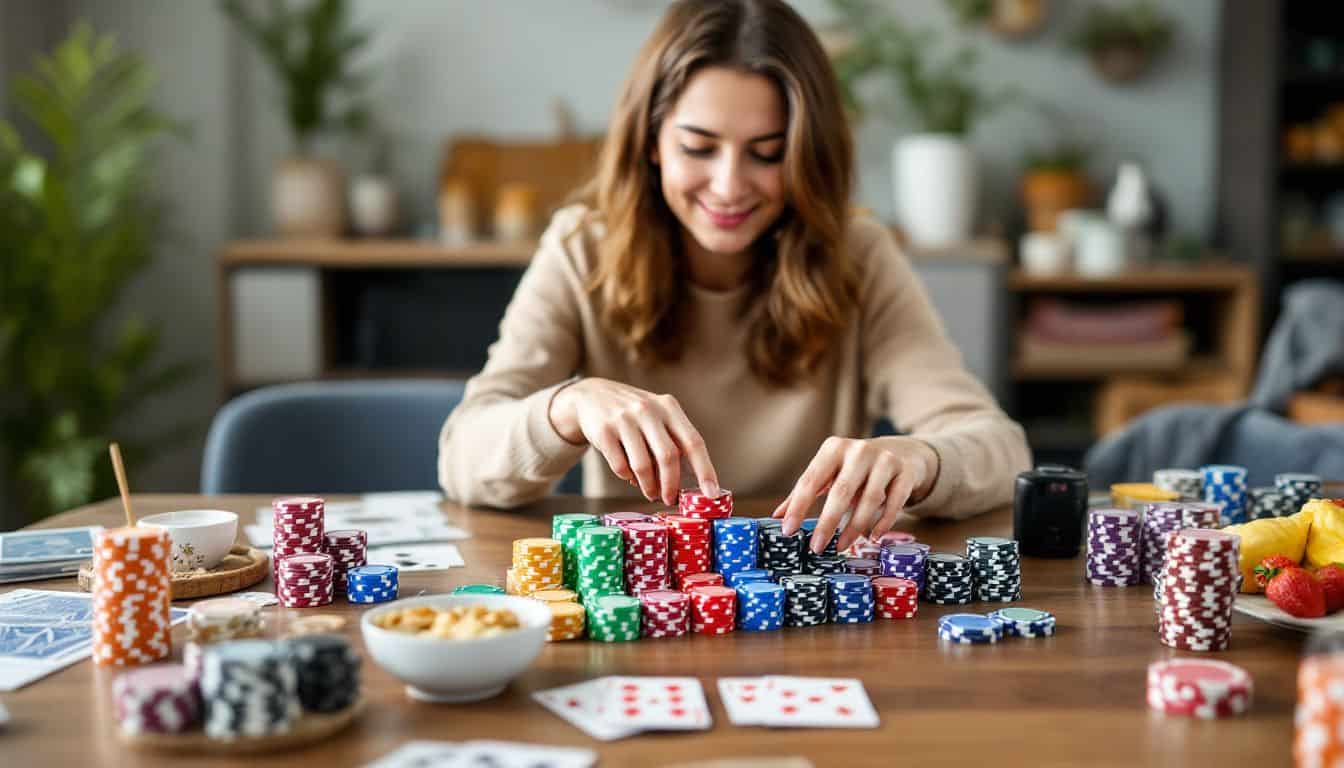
<point x="720" y="153"/>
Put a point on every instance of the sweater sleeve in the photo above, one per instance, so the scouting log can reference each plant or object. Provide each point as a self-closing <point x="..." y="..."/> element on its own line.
<point x="915" y="376"/>
<point x="498" y="447"/>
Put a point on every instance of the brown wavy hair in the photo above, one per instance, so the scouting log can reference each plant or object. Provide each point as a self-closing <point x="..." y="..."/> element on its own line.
<point x="808" y="282"/>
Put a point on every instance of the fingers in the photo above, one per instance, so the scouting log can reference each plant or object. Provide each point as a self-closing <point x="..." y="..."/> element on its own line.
<point x="843" y="494"/>
<point x="818" y="475"/>
<point x="891" y="510"/>
<point x="870" y="503"/>
<point x="692" y="446"/>
<point x="607" y="440"/>
<point x="667" y="456"/>
<point x="641" y="464"/>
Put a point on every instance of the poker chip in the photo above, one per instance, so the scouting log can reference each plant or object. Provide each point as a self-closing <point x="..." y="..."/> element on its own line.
<point x="823" y="565"/>
<point x="565" y="529"/>
<point x="613" y="618"/>
<point x="871" y="549"/>
<point x="297" y="527"/>
<point x="692" y="503"/>
<point x="851" y="598"/>
<point x="904" y="561"/>
<point x="1294" y="489"/>
<point x="713" y="610"/>
<point x="371" y="584"/>
<point x="969" y="629"/>
<point x="646" y="556"/>
<point x="327" y="672"/>
<point x="806" y="599"/>
<point x="809" y="527"/>
<point x="482" y="589"/>
<point x="162" y="698"/>
<point x="1197" y="589"/>
<point x="622" y="519"/>
<point x="895" y="598"/>
<point x="250" y="688"/>
<point x="996" y="564"/>
<point x="131" y="596"/>
<point x="1199" y="688"/>
<point x="305" y="580"/>
<point x="553" y="595"/>
<point x="568" y="620"/>
<point x="701" y="580"/>
<point x="666" y="613"/>
<point x="691" y="546"/>
<point x="779" y="553"/>
<point x="1113" y="548"/>
<point x="734" y="545"/>
<point x="948" y="579"/>
<point x="1226" y="485"/>
<point x="1024" y="622"/>
<point x="1188" y="483"/>
<point x="1319" y="736"/>
<point x="537" y="564"/>
<point x="348" y="549"/>
<point x="601" y="554"/>
<point x="760" y="606"/>
<point x="1266" y="501"/>
<point x="863" y="566"/>
<point x="751" y="574"/>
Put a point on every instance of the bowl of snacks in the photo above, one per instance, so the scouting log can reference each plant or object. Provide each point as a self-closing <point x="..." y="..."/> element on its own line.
<point x="456" y="648"/>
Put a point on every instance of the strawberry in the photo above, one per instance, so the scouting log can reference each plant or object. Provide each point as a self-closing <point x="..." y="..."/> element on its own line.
<point x="1297" y="592"/>
<point x="1332" y="581"/>
<point x="1271" y="564"/>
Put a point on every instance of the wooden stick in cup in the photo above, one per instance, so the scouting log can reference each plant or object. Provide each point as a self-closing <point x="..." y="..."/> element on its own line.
<point x="120" y="471"/>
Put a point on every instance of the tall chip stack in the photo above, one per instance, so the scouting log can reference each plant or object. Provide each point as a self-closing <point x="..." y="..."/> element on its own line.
<point x="298" y="526"/>
<point x="1225" y="484"/>
<point x="734" y="545"/>
<point x="250" y="688"/>
<point x="760" y="606"/>
<point x="779" y="554"/>
<point x="565" y="529"/>
<point x="690" y="546"/>
<point x="713" y="610"/>
<point x="949" y="579"/>
<point x="806" y="598"/>
<point x="537" y="564"/>
<point x="132" y="593"/>
<point x="645" y="556"/>
<point x="1199" y="585"/>
<point x="997" y="565"/>
<point x="1113" y="548"/>
<point x="1160" y="518"/>
<point x="1296" y="489"/>
<point x="601" y="550"/>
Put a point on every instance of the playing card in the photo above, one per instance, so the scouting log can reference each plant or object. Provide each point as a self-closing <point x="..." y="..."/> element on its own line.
<point x="417" y="557"/>
<point x="655" y="703"/>
<point x="508" y="754"/>
<point x="47" y="545"/>
<point x="817" y="702"/>
<point x="260" y="598"/>
<point x="577" y="704"/>
<point x="742" y="698"/>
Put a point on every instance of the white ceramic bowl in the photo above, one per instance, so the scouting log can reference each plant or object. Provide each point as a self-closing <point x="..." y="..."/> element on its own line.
<point x="440" y="670"/>
<point x="201" y="537"/>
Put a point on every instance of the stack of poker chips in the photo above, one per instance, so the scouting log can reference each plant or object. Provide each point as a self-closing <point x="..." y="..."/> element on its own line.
<point x="666" y="613"/>
<point x="600" y="558"/>
<point x="132" y="591"/>
<point x="1319" y="736"/>
<point x="693" y="503"/>
<point x="851" y="598"/>
<point x="613" y="618"/>
<point x="537" y="564"/>
<point x="1263" y="502"/>
<point x="568" y="620"/>
<point x="805" y="600"/>
<point x="713" y="610"/>
<point x="1024" y="622"/>
<point x="348" y="549"/>
<point x="751" y="574"/>
<point x="327" y="672"/>
<point x="372" y="584"/>
<point x="948" y="579"/>
<point x="969" y="628"/>
<point x="1188" y="483"/>
<point x="734" y="545"/>
<point x="895" y="598"/>
<point x="250" y="688"/>
<point x="305" y="580"/>
<point x="701" y="580"/>
<point x="1296" y="489"/>
<point x="779" y="554"/>
<point x="1199" y="688"/>
<point x="1199" y="584"/>
<point x="645" y="556"/>
<point x="217" y="621"/>
<point x="823" y="565"/>
<point x="485" y="589"/>
<point x="690" y="542"/>
<point x="997" y="566"/>
<point x="1113" y="548"/>
<point x="565" y="529"/>
<point x="904" y="561"/>
<point x="864" y="566"/>
<point x="1226" y="485"/>
<point x="162" y="698"/>
<point x="297" y="526"/>
<point x="760" y="606"/>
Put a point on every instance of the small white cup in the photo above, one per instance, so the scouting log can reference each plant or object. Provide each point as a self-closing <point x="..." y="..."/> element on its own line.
<point x="1044" y="253"/>
<point x="201" y="537"/>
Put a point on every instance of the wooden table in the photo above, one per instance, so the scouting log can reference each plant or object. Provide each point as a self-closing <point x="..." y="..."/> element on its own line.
<point x="1073" y="699"/>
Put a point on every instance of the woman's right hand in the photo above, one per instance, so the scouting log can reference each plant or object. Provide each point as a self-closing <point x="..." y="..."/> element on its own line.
<point x="642" y="436"/>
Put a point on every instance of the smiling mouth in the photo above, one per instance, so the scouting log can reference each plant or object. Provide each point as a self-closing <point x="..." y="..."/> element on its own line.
<point x="727" y="220"/>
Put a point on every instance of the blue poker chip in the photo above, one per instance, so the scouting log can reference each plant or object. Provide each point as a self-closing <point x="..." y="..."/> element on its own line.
<point x="1024" y="622"/>
<point x="760" y="606"/>
<point x="747" y="575"/>
<point x="969" y="624"/>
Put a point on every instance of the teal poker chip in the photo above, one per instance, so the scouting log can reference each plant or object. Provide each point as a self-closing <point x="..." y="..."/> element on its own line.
<point x="1025" y="622"/>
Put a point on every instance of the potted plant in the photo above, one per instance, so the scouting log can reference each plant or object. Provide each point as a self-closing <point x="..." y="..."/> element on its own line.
<point x="1011" y="20"/>
<point x="311" y="51"/>
<point x="77" y="226"/>
<point x="1054" y="180"/>
<point x="1123" y="40"/>
<point x="934" y="170"/>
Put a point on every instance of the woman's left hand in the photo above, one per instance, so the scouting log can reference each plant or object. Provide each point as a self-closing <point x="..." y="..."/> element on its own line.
<point x="875" y="477"/>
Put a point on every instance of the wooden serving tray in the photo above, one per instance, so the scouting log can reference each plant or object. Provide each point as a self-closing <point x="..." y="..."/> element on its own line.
<point x="241" y="568"/>
<point x="308" y="729"/>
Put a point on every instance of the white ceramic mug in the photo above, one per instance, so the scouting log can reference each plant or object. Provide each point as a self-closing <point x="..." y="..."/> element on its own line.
<point x="200" y="537"/>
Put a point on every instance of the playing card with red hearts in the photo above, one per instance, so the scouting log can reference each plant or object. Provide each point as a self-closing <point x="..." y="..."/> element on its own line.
<point x="817" y="702"/>
<point x="655" y="703"/>
<point x="579" y="704"/>
<point x="742" y="698"/>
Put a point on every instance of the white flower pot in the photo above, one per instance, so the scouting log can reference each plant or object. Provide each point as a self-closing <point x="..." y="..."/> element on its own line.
<point x="373" y="205"/>
<point x="308" y="197"/>
<point x="936" y="183"/>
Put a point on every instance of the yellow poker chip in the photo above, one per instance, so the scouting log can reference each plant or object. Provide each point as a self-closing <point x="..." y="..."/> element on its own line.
<point x="556" y="596"/>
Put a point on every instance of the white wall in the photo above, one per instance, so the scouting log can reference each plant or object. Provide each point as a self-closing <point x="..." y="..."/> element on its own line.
<point x="495" y="66"/>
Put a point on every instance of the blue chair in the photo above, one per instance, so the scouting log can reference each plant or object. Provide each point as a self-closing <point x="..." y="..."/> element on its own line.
<point x="330" y="437"/>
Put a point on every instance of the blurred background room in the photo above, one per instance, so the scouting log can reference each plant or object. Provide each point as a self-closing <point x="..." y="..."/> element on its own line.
<point x="1111" y="202"/>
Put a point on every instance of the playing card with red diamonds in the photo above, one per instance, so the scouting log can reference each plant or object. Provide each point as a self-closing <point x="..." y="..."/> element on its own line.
<point x="741" y="698"/>
<point x="655" y="703"/>
<point x="816" y="702"/>
<point x="578" y="704"/>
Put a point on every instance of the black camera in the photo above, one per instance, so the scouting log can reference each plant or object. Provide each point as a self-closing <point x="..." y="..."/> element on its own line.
<point x="1050" y="510"/>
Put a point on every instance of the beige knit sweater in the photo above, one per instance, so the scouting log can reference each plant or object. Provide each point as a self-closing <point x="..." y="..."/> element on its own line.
<point x="498" y="448"/>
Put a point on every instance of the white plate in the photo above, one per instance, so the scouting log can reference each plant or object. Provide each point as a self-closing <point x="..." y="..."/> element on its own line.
<point x="1260" y="607"/>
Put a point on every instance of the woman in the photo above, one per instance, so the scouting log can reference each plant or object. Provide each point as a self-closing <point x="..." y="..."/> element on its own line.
<point x="716" y="297"/>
